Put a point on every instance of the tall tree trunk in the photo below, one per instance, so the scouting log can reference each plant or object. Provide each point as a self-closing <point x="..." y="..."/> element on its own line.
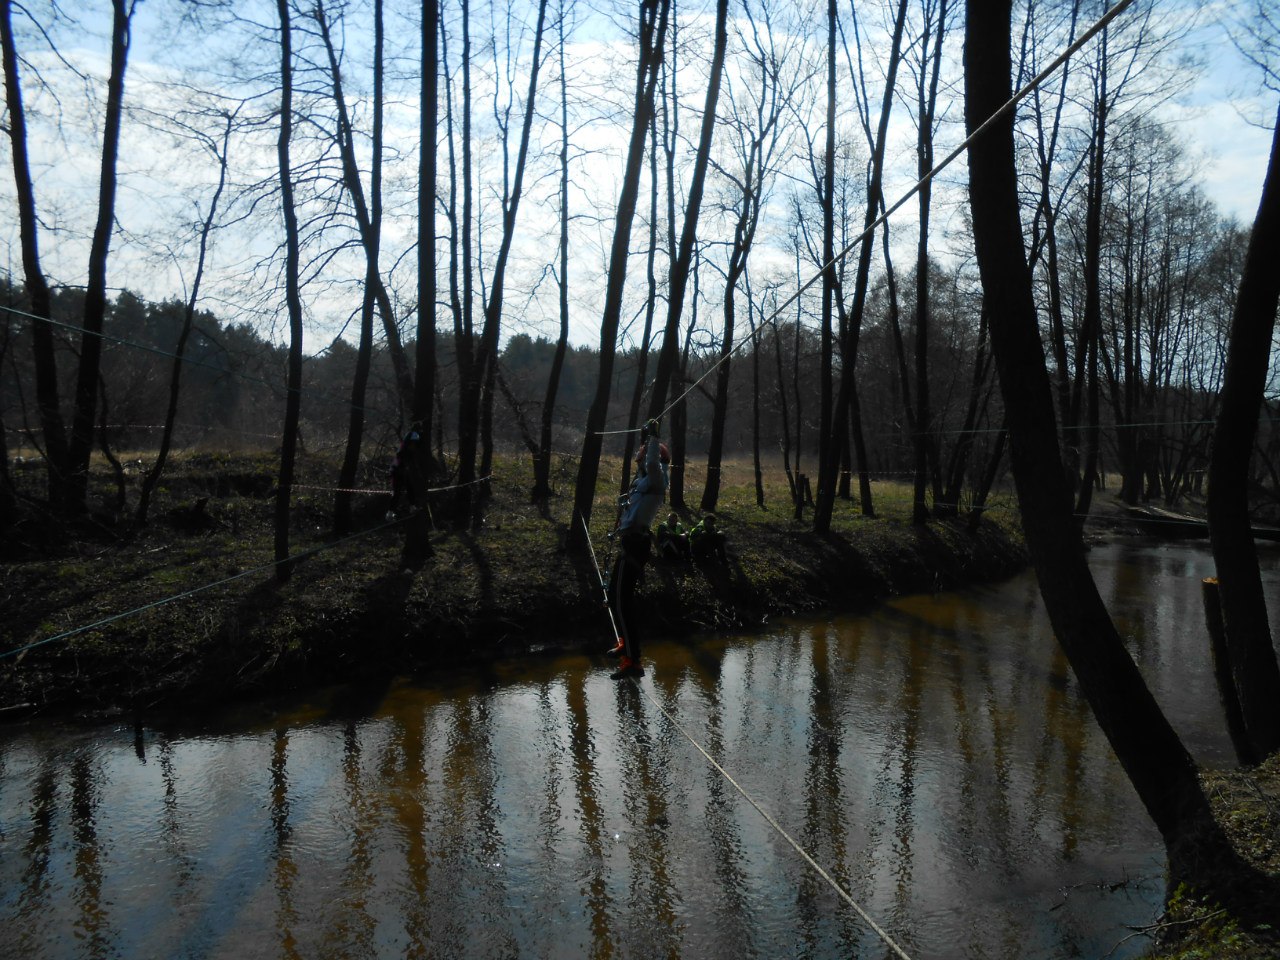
<point x="95" y="298"/>
<point x="828" y="443"/>
<point x="364" y="350"/>
<point x="368" y="217"/>
<point x="755" y="398"/>
<point x="355" y="418"/>
<point x="542" y="465"/>
<point x="653" y="29"/>
<point x="188" y="321"/>
<point x="680" y="410"/>
<point x="465" y="349"/>
<point x="1155" y="760"/>
<point x="424" y="378"/>
<point x="927" y="98"/>
<point x="849" y="349"/>
<point x="1244" y="608"/>
<point x="784" y="416"/>
<point x="417" y="535"/>
<point x="688" y="236"/>
<point x="650" y="309"/>
<point x="1091" y="334"/>
<point x="293" y="300"/>
<point x="37" y="287"/>
<point x="486" y="357"/>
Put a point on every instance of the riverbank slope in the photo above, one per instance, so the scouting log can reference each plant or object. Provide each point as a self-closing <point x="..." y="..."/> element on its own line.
<point x="187" y="609"/>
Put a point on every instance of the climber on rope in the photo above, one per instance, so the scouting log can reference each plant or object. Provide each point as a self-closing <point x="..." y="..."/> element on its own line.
<point x="639" y="507"/>
<point x="408" y="473"/>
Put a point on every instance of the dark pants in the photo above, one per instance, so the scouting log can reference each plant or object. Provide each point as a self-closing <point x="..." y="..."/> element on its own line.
<point x="709" y="546"/>
<point x="628" y="573"/>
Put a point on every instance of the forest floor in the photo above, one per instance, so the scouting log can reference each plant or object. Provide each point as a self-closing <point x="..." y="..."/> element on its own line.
<point x="186" y="610"/>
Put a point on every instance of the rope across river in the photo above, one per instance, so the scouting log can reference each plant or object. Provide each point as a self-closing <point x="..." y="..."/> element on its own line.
<point x="840" y="891"/>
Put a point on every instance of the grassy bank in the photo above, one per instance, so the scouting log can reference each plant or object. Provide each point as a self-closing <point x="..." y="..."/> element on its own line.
<point x="353" y="608"/>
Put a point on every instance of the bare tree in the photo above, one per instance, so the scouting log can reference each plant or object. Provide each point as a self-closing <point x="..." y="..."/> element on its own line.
<point x="293" y="299"/>
<point x="37" y="287"/>
<point x="220" y="150"/>
<point x="652" y="37"/>
<point x="486" y="356"/>
<point x="846" y="397"/>
<point x="542" y="463"/>
<point x="95" y="301"/>
<point x="1244" y="608"/>
<point x="755" y="139"/>
<point x="693" y="207"/>
<point x="1158" y="765"/>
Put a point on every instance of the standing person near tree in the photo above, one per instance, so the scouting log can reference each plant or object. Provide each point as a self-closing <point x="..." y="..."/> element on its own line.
<point x="642" y="502"/>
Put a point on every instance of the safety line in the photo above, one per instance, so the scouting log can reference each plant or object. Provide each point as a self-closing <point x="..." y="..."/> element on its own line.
<point x="889" y="942"/>
<point x="1043" y="75"/>
<point x="372" y="492"/>
<point x="599" y="576"/>
<point x="208" y="586"/>
<point x="880" y="932"/>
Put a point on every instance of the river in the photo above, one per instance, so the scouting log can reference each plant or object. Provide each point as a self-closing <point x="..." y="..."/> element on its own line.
<point x="933" y="756"/>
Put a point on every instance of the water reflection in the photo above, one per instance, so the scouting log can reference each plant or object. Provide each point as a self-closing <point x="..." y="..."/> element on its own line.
<point x="936" y="758"/>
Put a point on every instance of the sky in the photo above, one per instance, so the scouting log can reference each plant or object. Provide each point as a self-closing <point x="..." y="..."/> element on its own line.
<point x="1227" y="117"/>
<point x="1221" y="120"/>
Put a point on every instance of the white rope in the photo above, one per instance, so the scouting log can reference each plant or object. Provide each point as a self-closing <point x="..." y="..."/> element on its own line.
<point x="1043" y="75"/>
<point x="600" y="576"/>
<point x="888" y="940"/>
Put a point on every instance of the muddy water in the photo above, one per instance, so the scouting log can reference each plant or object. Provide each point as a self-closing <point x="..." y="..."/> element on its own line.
<point x="935" y="757"/>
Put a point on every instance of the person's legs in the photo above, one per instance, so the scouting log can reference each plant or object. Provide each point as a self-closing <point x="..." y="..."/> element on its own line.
<point x="628" y="574"/>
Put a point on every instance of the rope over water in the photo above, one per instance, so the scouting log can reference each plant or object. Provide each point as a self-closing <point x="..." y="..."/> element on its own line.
<point x="843" y="894"/>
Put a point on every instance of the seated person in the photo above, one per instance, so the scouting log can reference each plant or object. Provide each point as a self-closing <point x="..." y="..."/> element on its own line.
<point x="673" y="539"/>
<point x="707" y="542"/>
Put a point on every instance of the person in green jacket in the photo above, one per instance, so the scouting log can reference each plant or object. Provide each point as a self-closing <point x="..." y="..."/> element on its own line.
<point x="673" y="540"/>
<point x="706" y="541"/>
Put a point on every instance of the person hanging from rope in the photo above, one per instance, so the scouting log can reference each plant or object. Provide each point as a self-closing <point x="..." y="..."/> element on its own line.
<point x="642" y="501"/>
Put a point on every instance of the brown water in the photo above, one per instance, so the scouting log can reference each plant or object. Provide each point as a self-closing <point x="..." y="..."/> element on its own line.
<point x="934" y="756"/>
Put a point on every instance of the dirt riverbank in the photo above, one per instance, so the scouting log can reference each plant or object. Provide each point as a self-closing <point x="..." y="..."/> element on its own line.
<point x="188" y="609"/>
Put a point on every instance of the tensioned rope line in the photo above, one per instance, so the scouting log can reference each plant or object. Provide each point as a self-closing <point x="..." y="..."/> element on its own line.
<point x="1043" y="75"/>
<point x="599" y="574"/>
<point x="879" y="931"/>
<point x="387" y="493"/>
<point x="843" y="894"/>
<point x="218" y="583"/>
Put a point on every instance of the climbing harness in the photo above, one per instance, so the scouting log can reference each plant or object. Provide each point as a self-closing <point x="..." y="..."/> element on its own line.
<point x="840" y="891"/>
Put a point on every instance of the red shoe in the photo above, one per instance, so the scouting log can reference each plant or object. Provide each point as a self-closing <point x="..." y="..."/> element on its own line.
<point x="627" y="669"/>
<point x="616" y="649"/>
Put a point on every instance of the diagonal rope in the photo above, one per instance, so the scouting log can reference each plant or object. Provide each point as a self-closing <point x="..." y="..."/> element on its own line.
<point x="599" y="576"/>
<point x="928" y="178"/>
<point x="843" y="894"/>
